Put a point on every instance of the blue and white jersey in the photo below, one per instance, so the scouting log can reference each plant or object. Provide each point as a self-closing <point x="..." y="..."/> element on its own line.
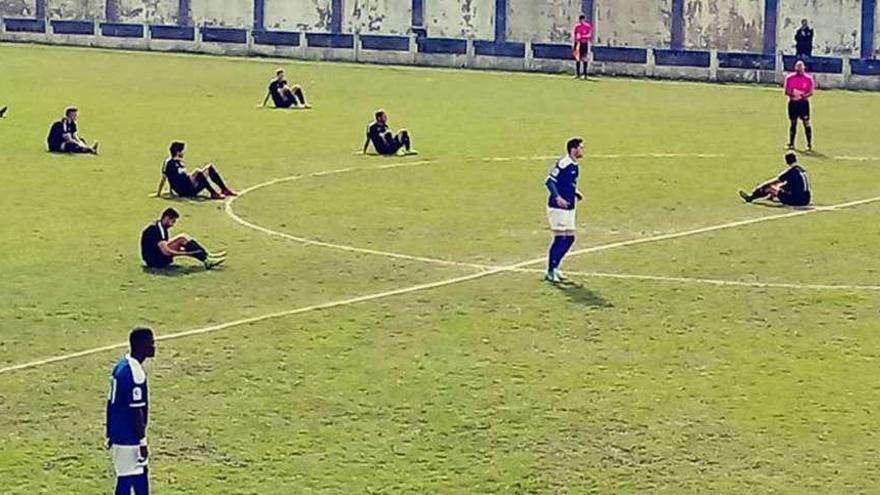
<point x="128" y="393"/>
<point x="564" y="175"/>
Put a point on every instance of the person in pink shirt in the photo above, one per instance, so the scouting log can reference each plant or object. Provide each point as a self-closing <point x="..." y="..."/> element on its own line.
<point x="581" y="36"/>
<point x="799" y="88"/>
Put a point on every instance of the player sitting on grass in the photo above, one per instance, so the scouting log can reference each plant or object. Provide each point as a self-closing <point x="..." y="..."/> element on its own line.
<point x="283" y="95"/>
<point x="63" y="138"/>
<point x="188" y="185"/>
<point x="159" y="251"/>
<point x="384" y="141"/>
<point x="791" y="188"/>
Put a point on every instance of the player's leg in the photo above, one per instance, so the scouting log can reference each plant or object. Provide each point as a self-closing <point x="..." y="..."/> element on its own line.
<point x="792" y="122"/>
<point x="200" y="182"/>
<point x="808" y="129"/>
<point x="124" y="485"/>
<point x="562" y="226"/>
<point x="141" y="483"/>
<point x="212" y="172"/>
<point x="298" y="94"/>
<point x="766" y="190"/>
<point x="585" y="58"/>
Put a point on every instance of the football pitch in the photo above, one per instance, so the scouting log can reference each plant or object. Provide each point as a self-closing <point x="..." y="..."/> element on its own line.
<point x="382" y="325"/>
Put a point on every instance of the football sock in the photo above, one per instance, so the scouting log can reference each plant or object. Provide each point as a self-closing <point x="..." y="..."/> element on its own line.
<point x="809" y="132"/>
<point x="792" y="132"/>
<point x="577" y="66"/>
<point x="216" y="178"/>
<point x="569" y="242"/>
<point x="759" y="192"/>
<point x="196" y="250"/>
<point x="404" y="139"/>
<point x="555" y="252"/>
<point x="298" y="94"/>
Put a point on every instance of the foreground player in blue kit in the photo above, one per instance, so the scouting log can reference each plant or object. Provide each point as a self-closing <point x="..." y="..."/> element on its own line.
<point x="564" y="195"/>
<point x="127" y="413"/>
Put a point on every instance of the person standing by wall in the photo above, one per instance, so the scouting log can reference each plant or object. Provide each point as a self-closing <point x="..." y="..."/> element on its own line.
<point x="581" y="36"/>
<point x="803" y="41"/>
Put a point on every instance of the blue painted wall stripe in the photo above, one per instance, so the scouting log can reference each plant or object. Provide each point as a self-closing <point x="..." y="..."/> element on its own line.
<point x="869" y="8"/>
<point x="500" y="20"/>
<point x="336" y="16"/>
<point x="184" y="17"/>
<point x="111" y="11"/>
<point x="418" y="12"/>
<point x="771" y="13"/>
<point x="677" y="34"/>
<point x="587" y="10"/>
<point x="40" y="9"/>
<point x="259" y="15"/>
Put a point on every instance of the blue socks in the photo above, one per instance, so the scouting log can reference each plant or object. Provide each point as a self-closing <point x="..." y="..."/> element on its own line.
<point x="558" y="249"/>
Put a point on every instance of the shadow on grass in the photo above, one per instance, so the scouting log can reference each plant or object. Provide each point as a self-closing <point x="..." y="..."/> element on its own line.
<point x="181" y="199"/>
<point x="815" y="154"/>
<point x="174" y="270"/>
<point x="578" y="293"/>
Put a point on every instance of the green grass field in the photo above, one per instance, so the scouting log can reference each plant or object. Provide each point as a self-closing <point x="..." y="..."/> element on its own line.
<point x="491" y="384"/>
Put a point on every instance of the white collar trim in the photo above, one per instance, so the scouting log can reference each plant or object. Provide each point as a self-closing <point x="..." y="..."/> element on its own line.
<point x="137" y="370"/>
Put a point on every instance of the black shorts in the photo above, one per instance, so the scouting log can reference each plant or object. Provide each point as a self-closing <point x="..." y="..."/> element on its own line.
<point x="285" y="102"/>
<point x="158" y="261"/>
<point x="583" y="49"/>
<point x="799" y="110"/>
<point x="185" y="188"/>
<point x="390" y="146"/>
<point x="794" y="198"/>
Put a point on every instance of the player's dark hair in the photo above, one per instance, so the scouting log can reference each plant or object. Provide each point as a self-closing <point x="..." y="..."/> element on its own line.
<point x="176" y="147"/>
<point x="170" y="213"/>
<point x="380" y="112"/>
<point x="69" y="110"/>
<point x="790" y="158"/>
<point x="582" y="17"/>
<point x="139" y="336"/>
<point x="278" y="72"/>
<point x="573" y="143"/>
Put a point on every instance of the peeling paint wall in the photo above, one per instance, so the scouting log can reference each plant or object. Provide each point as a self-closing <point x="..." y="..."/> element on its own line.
<point x="16" y="8"/>
<point x="877" y="32"/>
<point x="461" y="18"/>
<point x="148" y="11"/>
<point x="836" y="22"/>
<point x="230" y="13"/>
<point x="633" y="22"/>
<point x="297" y="15"/>
<point x="75" y="9"/>
<point x="728" y="25"/>
<point x="545" y="21"/>
<point x="378" y="16"/>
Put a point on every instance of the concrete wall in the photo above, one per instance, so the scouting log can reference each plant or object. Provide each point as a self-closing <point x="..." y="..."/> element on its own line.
<point x="16" y="8"/>
<point x="461" y="18"/>
<point x="837" y="24"/>
<point x="877" y="33"/>
<point x="728" y="25"/>
<point x="544" y="21"/>
<point x="633" y="22"/>
<point x="233" y="13"/>
<point x="378" y="16"/>
<point x="297" y="15"/>
<point x="148" y="11"/>
<point x="75" y="9"/>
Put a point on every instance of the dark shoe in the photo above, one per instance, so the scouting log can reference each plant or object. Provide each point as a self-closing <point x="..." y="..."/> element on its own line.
<point x="3" y="112"/>
<point x="95" y="148"/>
<point x="746" y="197"/>
<point x="213" y="262"/>
<point x="229" y="192"/>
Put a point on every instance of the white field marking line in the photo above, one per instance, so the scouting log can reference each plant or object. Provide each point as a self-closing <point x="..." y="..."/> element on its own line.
<point x="313" y="242"/>
<point x="343" y="247"/>
<point x="714" y="281"/>
<point x="604" y="156"/>
<point x="416" y="288"/>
